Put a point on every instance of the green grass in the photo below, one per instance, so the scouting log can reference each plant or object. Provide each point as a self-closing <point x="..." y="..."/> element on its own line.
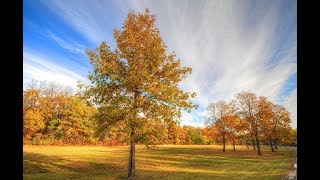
<point x="166" y="162"/>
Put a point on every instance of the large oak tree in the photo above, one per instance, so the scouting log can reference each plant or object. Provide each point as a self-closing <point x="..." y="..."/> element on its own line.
<point x="138" y="81"/>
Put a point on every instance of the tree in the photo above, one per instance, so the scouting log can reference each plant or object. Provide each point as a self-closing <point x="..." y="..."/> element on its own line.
<point x="77" y="120"/>
<point x="280" y="123"/>
<point x="33" y="125"/>
<point x="217" y="117"/>
<point x="196" y="135"/>
<point x="266" y="117"/>
<point x="33" y="120"/>
<point x="288" y="137"/>
<point x="184" y="135"/>
<point x="173" y="136"/>
<point x="153" y="132"/>
<point x="51" y="115"/>
<point x="138" y="81"/>
<point x="211" y="135"/>
<point x="234" y="127"/>
<point x="234" y="124"/>
<point x="248" y="106"/>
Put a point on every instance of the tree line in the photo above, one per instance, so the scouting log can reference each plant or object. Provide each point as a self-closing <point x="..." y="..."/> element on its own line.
<point x="133" y="97"/>
<point x="55" y="115"/>
<point x="250" y="119"/>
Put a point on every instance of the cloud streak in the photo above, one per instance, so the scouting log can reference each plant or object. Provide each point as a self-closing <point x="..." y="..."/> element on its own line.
<point x="87" y="17"/>
<point x="230" y="45"/>
<point x="73" y="47"/>
<point x="41" y="68"/>
<point x="290" y="103"/>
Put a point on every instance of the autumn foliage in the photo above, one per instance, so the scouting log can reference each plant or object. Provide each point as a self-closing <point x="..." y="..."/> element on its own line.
<point x="136" y="84"/>
<point x="52" y="115"/>
<point x="249" y="118"/>
<point x="133" y="97"/>
<point x="75" y="123"/>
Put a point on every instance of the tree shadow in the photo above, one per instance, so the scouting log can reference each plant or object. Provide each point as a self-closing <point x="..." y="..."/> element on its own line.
<point x="34" y="163"/>
<point x="161" y="163"/>
<point x="202" y="163"/>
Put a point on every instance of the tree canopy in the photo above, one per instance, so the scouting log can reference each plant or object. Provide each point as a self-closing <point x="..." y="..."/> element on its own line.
<point x="137" y="82"/>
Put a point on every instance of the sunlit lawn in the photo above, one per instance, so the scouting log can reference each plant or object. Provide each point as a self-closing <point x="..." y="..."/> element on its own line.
<point x="166" y="162"/>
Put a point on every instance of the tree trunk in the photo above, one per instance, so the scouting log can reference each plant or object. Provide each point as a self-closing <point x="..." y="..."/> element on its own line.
<point x="275" y="143"/>
<point x="132" y="168"/>
<point x="247" y="143"/>
<point x="234" y="145"/>
<point x="254" y="146"/>
<point x="271" y="145"/>
<point x="256" y="134"/>
<point x="258" y="146"/>
<point x="224" y="143"/>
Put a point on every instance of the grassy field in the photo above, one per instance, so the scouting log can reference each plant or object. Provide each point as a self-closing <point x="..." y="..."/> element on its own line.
<point x="166" y="162"/>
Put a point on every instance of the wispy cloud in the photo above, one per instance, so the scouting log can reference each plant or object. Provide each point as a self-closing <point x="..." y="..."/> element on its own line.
<point x="191" y="119"/>
<point x="230" y="45"/>
<point x="73" y="47"/>
<point x="290" y="103"/>
<point x="226" y="55"/>
<point x="87" y="17"/>
<point x="41" y="68"/>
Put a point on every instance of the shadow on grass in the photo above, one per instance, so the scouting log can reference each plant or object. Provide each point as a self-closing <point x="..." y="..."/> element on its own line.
<point x="34" y="163"/>
<point x="212" y="163"/>
<point x="241" y="153"/>
<point x="161" y="163"/>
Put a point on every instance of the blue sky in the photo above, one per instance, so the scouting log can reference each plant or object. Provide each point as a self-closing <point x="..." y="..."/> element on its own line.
<point x="230" y="45"/>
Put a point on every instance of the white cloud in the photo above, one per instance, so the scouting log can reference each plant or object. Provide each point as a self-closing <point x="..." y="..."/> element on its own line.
<point x="41" y="68"/>
<point x="70" y="46"/>
<point x="290" y="103"/>
<point x="190" y="120"/>
<point x="213" y="39"/>
<point x="228" y="53"/>
<point x="87" y="17"/>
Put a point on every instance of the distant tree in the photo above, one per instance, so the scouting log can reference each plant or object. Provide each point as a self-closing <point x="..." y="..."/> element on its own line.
<point x="211" y="135"/>
<point x="173" y="136"/>
<point x="51" y="115"/>
<point x="244" y="133"/>
<point x="138" y="81"/>
<point x="217" y="117"/>
<point x="154" y="132"/>
<point x="77" y="121"/>
<point x="280" y="123"/>
<point x="266" y="117"/>
<point x="33" y="120"/>
<point x="288" y="137"/>
<point x="234" y="128"/>
<point x="248" y="108"/>
<point x="196" y="135"/>
<point x="184" y="135"/>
